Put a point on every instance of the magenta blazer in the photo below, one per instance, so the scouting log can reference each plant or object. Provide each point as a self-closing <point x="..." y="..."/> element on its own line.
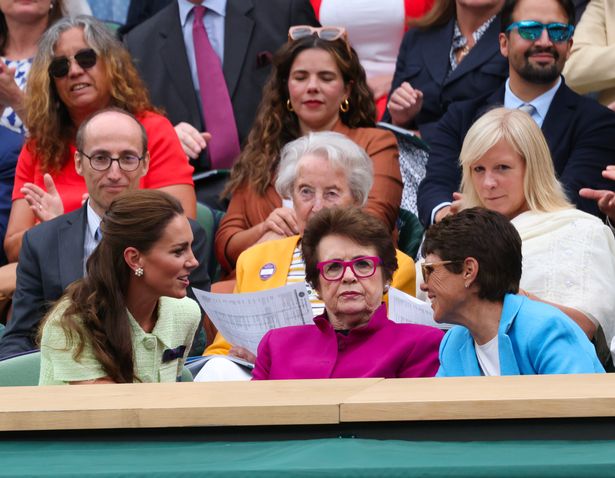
<point x="382" y="348"/>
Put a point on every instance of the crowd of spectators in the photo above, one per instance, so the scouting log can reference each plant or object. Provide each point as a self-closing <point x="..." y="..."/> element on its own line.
<point x="124" y="123"/>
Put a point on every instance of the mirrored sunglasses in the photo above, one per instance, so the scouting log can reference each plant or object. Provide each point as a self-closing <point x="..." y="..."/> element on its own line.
<point x="531" y="30"/>
<point x="60" y="66"/>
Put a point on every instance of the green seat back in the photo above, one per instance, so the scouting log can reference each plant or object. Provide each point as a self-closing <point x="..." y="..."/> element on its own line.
<point x="410" y="233"/>
<point x="209" y="219"/>
<point x="22" y="370"/>
<point x="186" y="375"/>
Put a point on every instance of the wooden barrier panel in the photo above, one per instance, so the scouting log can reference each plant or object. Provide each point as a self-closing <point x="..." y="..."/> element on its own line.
<point x="161" y="405"/>
<point x="472" y="398"/>
<point x="305" y="402"/>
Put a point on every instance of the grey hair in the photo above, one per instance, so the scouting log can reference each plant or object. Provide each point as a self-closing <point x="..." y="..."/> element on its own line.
<point x="341" y="152"/>
<point x="96" y="34"/>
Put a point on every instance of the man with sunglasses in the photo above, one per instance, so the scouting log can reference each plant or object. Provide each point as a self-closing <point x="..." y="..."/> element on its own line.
<point x="169" y="50"/>
<point x="112" y="157"/>
<point x="536" y="38"/>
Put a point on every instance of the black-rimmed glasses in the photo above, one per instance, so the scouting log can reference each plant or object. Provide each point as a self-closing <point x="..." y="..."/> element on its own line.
<point x="102" y="162"/>
<point x="60" y="66"/>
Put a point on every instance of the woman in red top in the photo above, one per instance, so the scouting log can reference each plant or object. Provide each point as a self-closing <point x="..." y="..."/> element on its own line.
<point x="81" y="68"/>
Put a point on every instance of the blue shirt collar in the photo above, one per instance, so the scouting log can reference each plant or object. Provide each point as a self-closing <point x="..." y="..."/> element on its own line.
<point x="541" y="103"/>
<point x="185" y="7"/>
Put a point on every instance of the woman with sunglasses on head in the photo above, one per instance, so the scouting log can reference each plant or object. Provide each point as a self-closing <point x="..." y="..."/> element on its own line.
<point x="128" y="320"/>
<point x="317" y="84"/>
<point x="568" y="254"/>
<point x="471" y="275"/>
<point x="81" y="68"/>
<point x="350" y="260"/>
<point x="21" y="26"/>
<point x="375" y="29"/>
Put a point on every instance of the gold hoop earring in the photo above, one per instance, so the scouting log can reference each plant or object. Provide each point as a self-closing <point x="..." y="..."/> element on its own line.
<point x="345" y="106"/>
<point x="289" y="106"/>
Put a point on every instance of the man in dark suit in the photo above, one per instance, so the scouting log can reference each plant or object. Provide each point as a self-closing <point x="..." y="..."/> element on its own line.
<point x="244" y="33"/>
<point x="53" y="254"/>
<point x="579" y="131"/>
<point x="425" y="83"/>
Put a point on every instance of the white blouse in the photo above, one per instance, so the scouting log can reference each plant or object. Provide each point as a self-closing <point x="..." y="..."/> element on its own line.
<point x="375" y="30"/>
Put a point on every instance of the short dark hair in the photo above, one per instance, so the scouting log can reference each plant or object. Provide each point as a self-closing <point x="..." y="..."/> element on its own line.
<point x="354" y="224"/>
<point x="488" y="237"/>
<point x="510" y="5"/>
<point x="80" y="139"/>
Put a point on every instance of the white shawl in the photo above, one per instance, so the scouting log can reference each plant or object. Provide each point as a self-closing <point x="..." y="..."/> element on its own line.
<point x="569" y="259"/>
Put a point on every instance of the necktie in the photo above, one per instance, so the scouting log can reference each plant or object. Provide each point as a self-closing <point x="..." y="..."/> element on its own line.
<point x="215" y="100"/>
<point x="528" y="108"/>
<point x="97" y="235"/>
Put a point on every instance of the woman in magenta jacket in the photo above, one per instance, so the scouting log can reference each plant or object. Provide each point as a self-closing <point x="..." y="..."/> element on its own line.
<point x="349" y="259"/>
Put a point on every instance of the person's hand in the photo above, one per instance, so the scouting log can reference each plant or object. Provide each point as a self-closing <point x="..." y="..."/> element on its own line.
<point x="380" y="85"/>
<point x="10" y="94"/>
<point x="604" y="198"/>
<point x="270" y="236"/>
<point x="192" y="140"/>
<point x="453" y="208"/>
<point x="242" y="353"/>
<point x="611" y="106"/>
<point x="404" y="104"/>
<point x="44" y="204"/>
<point x="282" y="221"/>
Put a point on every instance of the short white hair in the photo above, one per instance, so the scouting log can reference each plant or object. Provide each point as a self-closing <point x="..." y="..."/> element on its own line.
<point x="341" y="152"/>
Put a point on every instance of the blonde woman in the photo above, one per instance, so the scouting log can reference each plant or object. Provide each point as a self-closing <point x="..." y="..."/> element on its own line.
<point x="568" y="255"/>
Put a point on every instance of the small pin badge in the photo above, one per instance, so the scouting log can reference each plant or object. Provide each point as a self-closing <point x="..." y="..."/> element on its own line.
<point x="267" y="271"/>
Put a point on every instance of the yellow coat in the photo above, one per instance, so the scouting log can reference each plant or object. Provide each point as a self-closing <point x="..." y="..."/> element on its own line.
<point x="279" y="253"/>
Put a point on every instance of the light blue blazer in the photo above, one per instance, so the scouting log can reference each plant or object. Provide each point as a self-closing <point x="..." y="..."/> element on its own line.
<point x="533" y="338"/>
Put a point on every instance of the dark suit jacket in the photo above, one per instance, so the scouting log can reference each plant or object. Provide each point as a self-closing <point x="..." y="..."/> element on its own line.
<point x="580" y="133"/>
<point x="423" y="61"/>
<point x="253" y="31"/>
<point x="51" y="257"/>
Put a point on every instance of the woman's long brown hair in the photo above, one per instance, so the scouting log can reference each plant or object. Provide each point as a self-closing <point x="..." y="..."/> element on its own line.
<point x="275" y="125"/>
<point x="96" y="312"/>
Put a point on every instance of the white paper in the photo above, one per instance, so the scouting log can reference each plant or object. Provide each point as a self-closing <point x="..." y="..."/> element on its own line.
<point x="405" y="309"/>
<point x="243" y="319"/>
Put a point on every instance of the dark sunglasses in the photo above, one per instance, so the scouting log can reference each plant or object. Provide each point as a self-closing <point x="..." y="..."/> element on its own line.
<point x="531" y="30"/>
<point x="60" y="66"/>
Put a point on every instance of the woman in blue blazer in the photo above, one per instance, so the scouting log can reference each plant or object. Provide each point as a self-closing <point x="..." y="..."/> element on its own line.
<point x="471" y="274"/>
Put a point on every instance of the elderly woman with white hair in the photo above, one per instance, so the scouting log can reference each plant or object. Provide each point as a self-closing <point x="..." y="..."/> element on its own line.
<point x="568" y="255"/>
<point x="317" y="171"/>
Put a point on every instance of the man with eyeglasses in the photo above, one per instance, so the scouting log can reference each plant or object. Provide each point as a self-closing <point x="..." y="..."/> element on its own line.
<point x="112" y="157"/>
<point x="205" y="63"/>
<point x="536" y="38"/>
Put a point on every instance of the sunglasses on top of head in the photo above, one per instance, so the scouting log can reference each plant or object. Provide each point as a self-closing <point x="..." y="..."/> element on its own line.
<point x="330" y="33"/>
<point x="60" y="66"/>
<point x="532" y="30"/>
